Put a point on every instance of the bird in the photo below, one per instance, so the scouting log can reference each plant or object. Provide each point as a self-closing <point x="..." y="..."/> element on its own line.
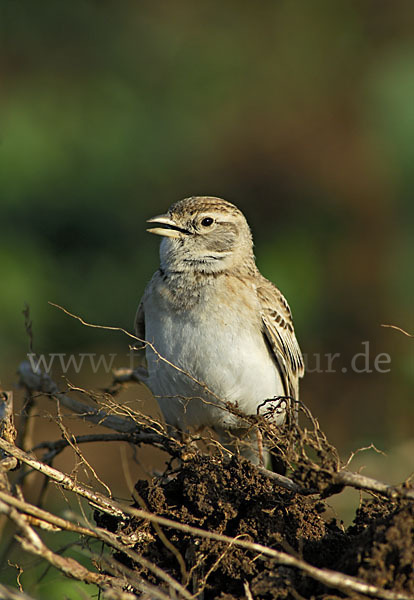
<point x="218" y="336"/>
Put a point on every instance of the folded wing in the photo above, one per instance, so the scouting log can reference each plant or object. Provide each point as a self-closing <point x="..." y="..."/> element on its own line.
<point x="279" y="332"/>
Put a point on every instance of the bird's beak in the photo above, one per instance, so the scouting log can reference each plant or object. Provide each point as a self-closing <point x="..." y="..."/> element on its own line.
<point x="167" y="227"/>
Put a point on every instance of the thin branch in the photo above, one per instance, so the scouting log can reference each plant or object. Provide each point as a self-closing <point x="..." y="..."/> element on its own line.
<point x="106" y="327"/>
<point x="44" y="516"/>
<point x="111" y="540"/>
<point x="108" y="538"/>
<point x="247" y="591"/>
<point x="221" y="403"/>
<point x="44" y="383"/>
<point x="364" y="449"/>
<point x="8" y="432"/>
<point x="8" y="593"/>
<point x="398" y="329"/>
<point x="24" y="438"/>
<point x="344" y="478"/>
<point x="59" y="445"/>
<point x="167" y="543"/>
<point x="7" y="428"/>
<point x="41" y="382"/>
<point x="117" y="594"/>
<point x="361" y="482"/>
<point x="285" y="482"/>
<point x="31" y="542"/>
<point x="70" y="438"/>
<point x="95" y="498"/>
<point x="328" y="577"/>
<point x="115" y="567"/>
<point x="96" y="532"/>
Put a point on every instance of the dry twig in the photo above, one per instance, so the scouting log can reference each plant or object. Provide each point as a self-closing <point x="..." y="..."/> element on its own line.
<point x="398" y="329"/>
<point x="33" y="544"/>
<point x="128" y="426"/>
<point x="320" y="475"/>
<point x="7" y="593"/>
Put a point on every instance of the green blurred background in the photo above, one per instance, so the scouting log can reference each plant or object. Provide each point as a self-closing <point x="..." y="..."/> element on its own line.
<point x="301" y="113"/>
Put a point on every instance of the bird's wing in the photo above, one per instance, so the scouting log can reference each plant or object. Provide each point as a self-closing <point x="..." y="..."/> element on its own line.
<point x="141" y="372"/>
<point x="278" y="329"/>
<point x="139" y="323"/>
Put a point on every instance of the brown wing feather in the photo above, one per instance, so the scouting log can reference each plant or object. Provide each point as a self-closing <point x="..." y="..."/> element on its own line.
<point x="139" y="323"/>
<point x="278" y="328"/>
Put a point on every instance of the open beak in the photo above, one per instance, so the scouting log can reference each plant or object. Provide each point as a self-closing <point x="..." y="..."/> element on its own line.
<point x="167" y="227"/>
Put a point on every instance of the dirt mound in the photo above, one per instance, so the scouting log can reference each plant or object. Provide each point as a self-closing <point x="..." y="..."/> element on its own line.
<point x="234" y="499"/>
<point x="381" y="545"/>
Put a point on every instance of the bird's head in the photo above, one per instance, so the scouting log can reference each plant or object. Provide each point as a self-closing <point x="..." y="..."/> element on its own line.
<point x="203" y="234"/>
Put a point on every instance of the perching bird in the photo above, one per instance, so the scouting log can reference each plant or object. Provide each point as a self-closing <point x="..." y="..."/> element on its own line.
<point x="221" y="332"/>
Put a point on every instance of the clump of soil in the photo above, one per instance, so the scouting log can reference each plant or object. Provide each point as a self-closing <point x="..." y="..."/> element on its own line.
<point x="234" y="499"/>
<point x="382" y="545"/>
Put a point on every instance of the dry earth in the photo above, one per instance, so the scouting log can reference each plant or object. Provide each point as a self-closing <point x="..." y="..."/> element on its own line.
<point x="234" y="499"/>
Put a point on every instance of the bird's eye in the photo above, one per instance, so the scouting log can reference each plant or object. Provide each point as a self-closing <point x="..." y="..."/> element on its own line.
<point x="207" y="222"/>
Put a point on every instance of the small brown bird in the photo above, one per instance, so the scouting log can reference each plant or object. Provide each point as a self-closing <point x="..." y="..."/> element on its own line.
<point x="224" y="332"/>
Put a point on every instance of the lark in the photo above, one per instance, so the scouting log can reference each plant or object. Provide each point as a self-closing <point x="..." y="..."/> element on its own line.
<point x="221" y="342"/>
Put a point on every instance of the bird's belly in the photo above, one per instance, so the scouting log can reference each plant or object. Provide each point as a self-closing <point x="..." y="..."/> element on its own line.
<point x="217" y="359"/>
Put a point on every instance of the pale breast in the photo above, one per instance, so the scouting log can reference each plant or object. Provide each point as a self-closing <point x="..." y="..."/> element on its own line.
<point x="216" y="346"/>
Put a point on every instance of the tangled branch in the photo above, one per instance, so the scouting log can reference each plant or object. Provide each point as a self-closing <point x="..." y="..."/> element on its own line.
<point x="32" y="543"/>
<point x="136" y="430"/>
<point x="314" y="468"/>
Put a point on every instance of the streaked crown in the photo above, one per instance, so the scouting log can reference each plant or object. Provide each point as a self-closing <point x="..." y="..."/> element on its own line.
<point x="203" y="233"/>
<point x="199" y="204"/>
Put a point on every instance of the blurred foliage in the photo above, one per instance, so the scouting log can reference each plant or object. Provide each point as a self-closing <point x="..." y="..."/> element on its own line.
<point x="302" y="113"/>
<point x="41" y="581"/>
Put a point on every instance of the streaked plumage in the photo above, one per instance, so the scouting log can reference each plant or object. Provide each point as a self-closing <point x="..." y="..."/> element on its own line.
<point x="210" y="312"/>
